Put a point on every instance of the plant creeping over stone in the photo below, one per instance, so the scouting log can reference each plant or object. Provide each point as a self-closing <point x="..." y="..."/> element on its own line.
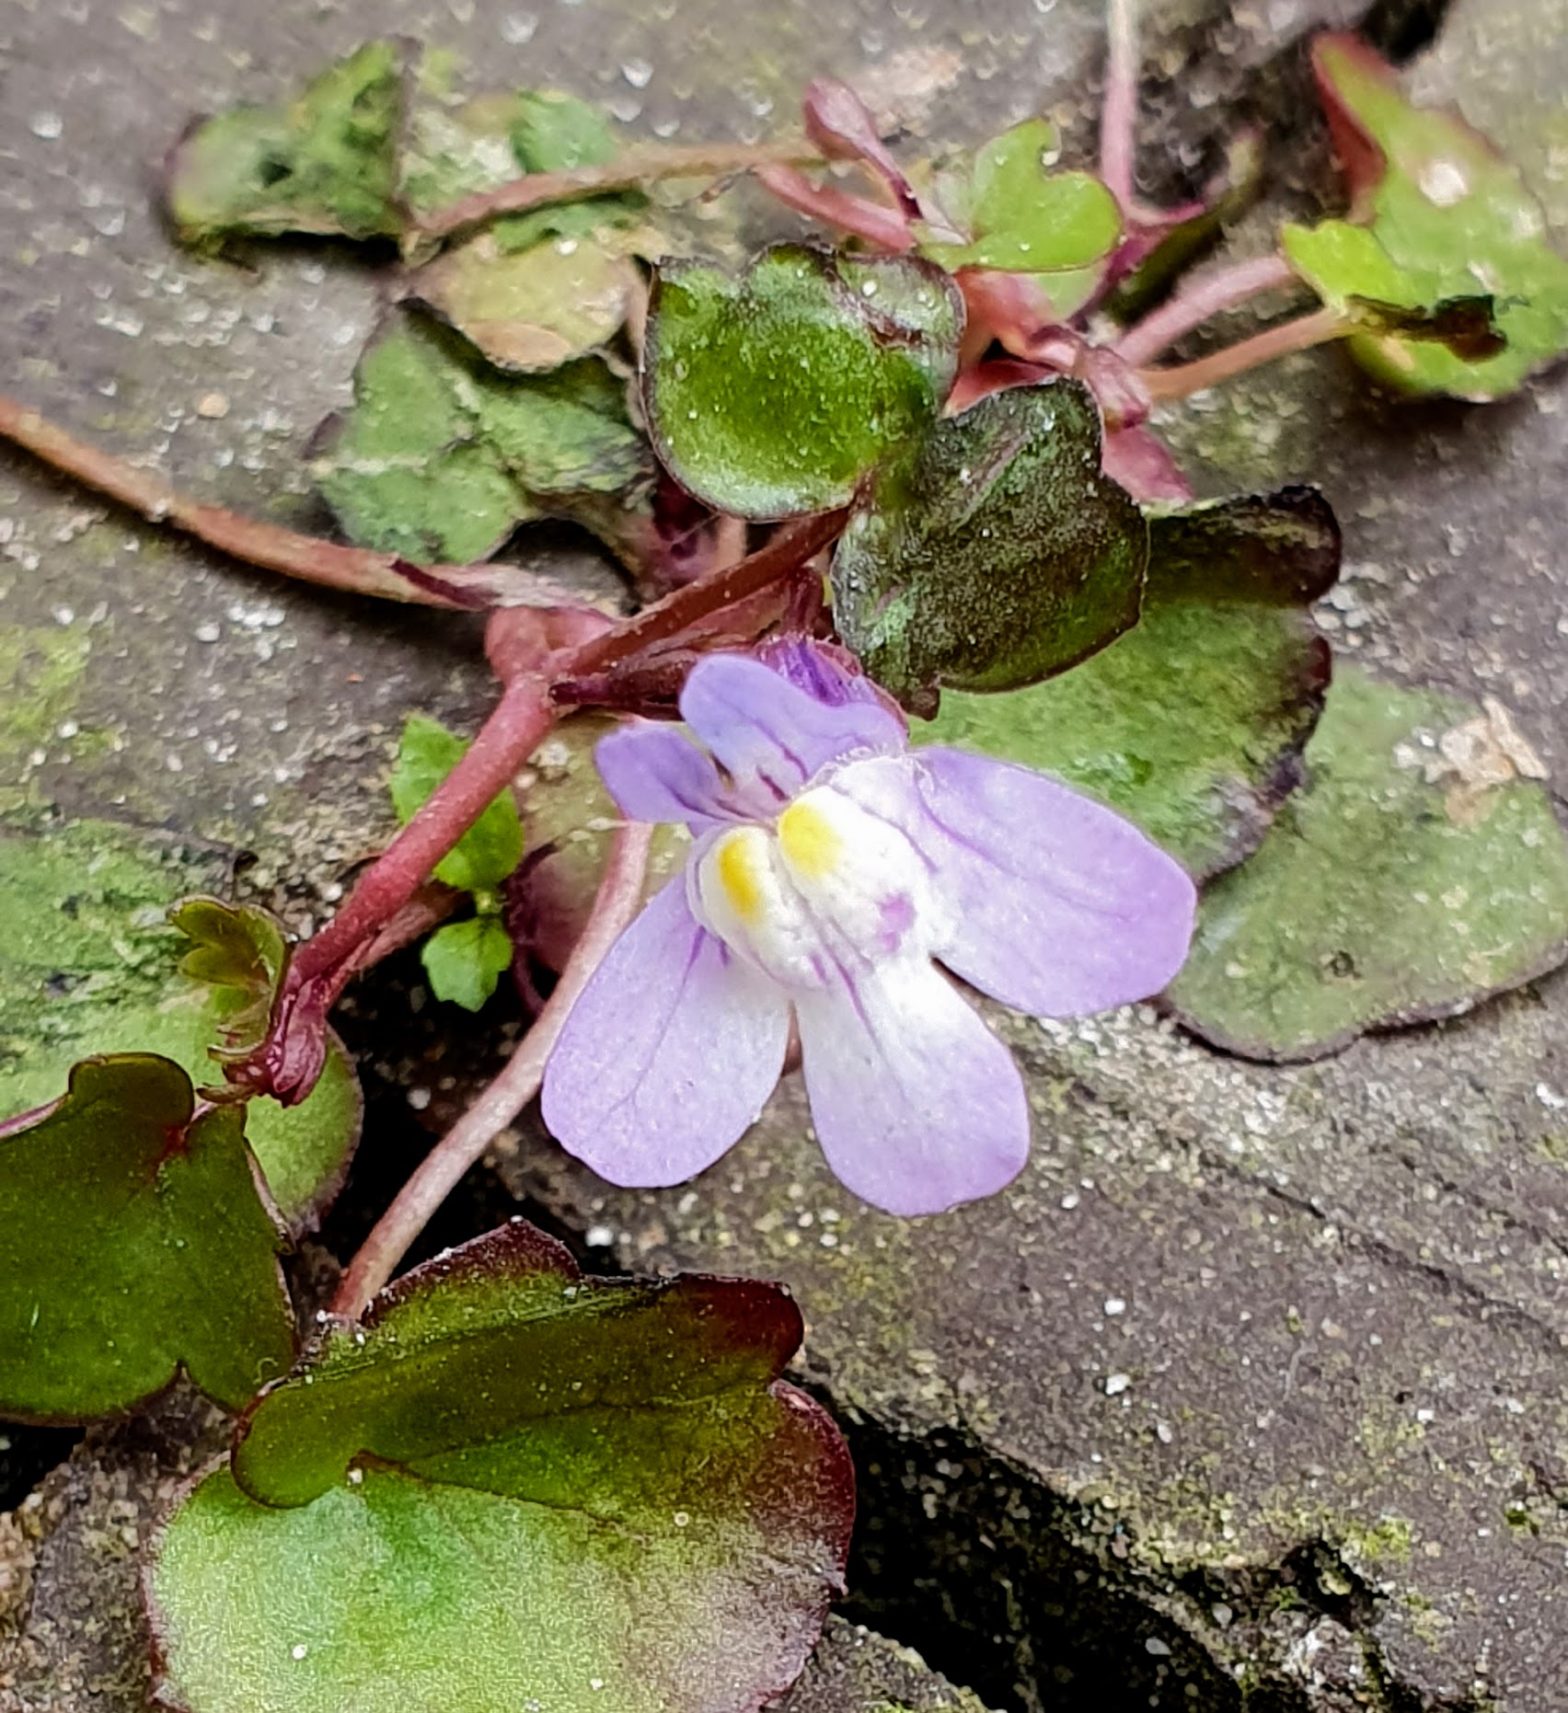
<point x="1118" y="692"/>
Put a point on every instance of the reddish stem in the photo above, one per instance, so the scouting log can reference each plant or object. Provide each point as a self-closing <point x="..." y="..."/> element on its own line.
<point x="1119" y="111"/>
<point x="620" y="893"/>
<point x="646" y="163"/>
<point x="1180" y="382"/>
<point x="515" y="729"/>
<point x="308" y="558"/>
<point x="887" y="228"/>
<point x="1203" y="298"/>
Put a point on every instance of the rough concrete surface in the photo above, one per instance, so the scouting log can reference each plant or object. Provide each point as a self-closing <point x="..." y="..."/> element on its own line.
<point x="1250" y="1393"/>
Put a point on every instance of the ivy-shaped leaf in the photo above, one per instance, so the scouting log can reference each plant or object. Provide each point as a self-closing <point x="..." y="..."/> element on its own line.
<point x="1441" y="227"/>
<point x="101" y="971"/>
<point x="324" y="161"/>
<point x="996" y="554"/>
<point x="1024" y="217"/>
<point x="776" y="394"/>
<point x="442" y="457"/>
<point x="514" y="1486"/>
<point x="1418" y="871"/>
<point x="464" y="960"/>
<point x="1192" y="725"/>
<point x="133" y="1244"/>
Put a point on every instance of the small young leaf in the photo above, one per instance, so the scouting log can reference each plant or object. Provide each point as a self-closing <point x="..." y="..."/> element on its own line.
<point x="530" y="310"/>
<point x="1417" y="872"/>
<point x="465" y="960"/>
<point x="555" y="132"/>
<point x="442" y="457"/>
<point x="453" y="151"/>
<point x="616" y="1461"/>
<point x="776" y="394"/>
<point x="1441" y="225"/>
<point x="99" y="972"/>
<point x="1192" y="725"/>
<point x="132" y="1244"/>
<point x="995" y="556"/>
<point x="491" y="848"/>
<point x="323" y="162"/>
<point x="1023" y="217"/>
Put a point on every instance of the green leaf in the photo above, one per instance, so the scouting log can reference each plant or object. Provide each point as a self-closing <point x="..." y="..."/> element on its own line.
<point x="442" y="457"/>
<point x="529" y="311"/>
<point x="100" y="971"/>
<point x="1023" y="217"/>
<point x="1442" y="226"/>
<point x="997" y="554"/>
<point x="776" y="394"/>
<point x="514" y="1486"/>
<point x="465" y="960"/>
<point x="1419" y="871"/>
<point x="1192" y="724"/>
<point x="491" y="848"/>
<point x="453" y="151"/>
<point x="555" y="132"/>
<point x="134" y="1244"/>
<point x="322" y="162"/>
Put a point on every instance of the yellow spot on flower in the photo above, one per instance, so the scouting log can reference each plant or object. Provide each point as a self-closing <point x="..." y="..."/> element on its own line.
<point x="738" y="859"/>
<point x="810" y="841"/>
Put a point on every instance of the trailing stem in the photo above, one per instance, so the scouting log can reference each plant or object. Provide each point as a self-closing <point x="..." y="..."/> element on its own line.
<point x="1119" y="112"/>
<point x="646" y="163"/>
<point x="619" y="895"/>
<point x="1200" y="301"/>
<point x="1184" y="379"/>
<point x="307" y="558"/>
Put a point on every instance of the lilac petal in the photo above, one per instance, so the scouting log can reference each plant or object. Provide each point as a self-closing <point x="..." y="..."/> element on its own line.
<point x="669" y="1054"/>
<point x="917" y="1105"/>
<point x="762" y="728"/>
<point x="655" y="774"/>
<point x="1058" y="906"/>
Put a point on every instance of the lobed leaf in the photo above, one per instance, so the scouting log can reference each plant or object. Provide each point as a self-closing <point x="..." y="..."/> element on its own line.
<point x="100" y="971"/>
<point x="442" y="457"/>
<point x="1022" y="216"/>
<point x="1445" y="258"/>
<point x="466" y="960"/>
<point x="1418" y="871"/>
<point x="324" y="161"/>
<point x="1193" y="723"/>
<point x="777" y="393"/>
<point x="615" y="1460"/>
<point x="996" y="554"/>
<point x="493" y="846"/>
<point x="134" y="1245"/>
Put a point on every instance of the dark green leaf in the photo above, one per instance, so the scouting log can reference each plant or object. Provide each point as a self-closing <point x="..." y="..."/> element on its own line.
<point x="1024" y="217"/>
<point x="132" y="1244"/>
<point x="491" y="848"/>
<point x="322" y="162"/>
<point x="515" y="1486"/>
<point x="465" y="960"/>
<point x="442" y="457"/>
<point x="98" y="972"/>
<point x="1192" y="724"/>
<point x="997" y="554"/>
<point x="1443" y="231"/>
<point x="777" y="393"/>
<point x="1418" y="871"/>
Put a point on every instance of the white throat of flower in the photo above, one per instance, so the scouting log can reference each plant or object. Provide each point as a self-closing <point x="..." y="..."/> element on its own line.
<point x="815" y="895"/>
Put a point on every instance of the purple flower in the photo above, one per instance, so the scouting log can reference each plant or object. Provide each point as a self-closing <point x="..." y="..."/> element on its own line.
<point x="833" y="870"/>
